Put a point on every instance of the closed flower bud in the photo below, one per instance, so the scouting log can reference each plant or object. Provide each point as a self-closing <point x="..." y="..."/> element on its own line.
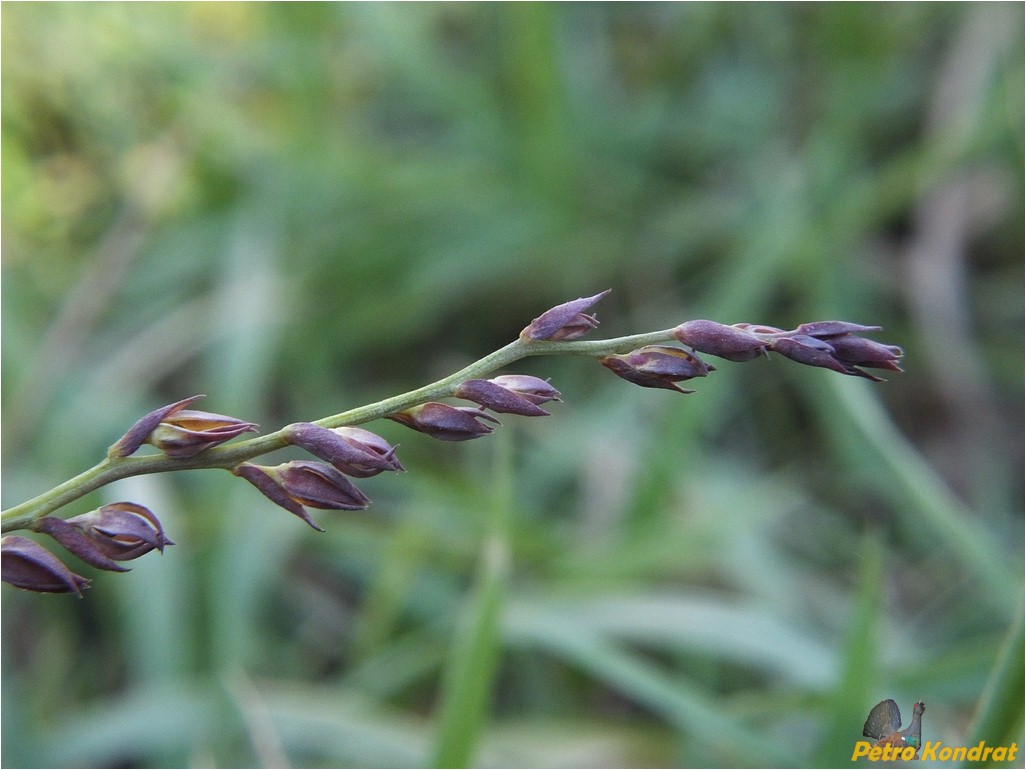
<point x="75" y="541"/>
<point x="811" y="352"/>
<point x="729" y="342"/>
<point x="300" y="482"/>
<point x="657" y="366"/>
<point x="179" y="432"/>
<point x="858" y="351"/>
<point x="826" y="329"/>
<point x="354" y="451"/>
<point x="114" y="532"/>
<point x="564" y="322"/>
<point x="444" y="422"/>
<point x="862" y="352"/>
<point x="835" y="345"/>
<point x="26" y="564"/>
<point x="498" y="399"/>
<point x="534" y="389"/>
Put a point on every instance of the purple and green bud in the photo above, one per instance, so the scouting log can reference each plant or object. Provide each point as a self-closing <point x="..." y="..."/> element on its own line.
<point x="716" y="339"/>
<point x="498" y="398"/>
<point x="354" y="451"/>
<point x="657" y="366"/>
<point x="179" y="432"/>
<point x="444" y="422"/>
<point x="534" y="389"/>
<point x="298" y="483"/>
<point x="564" y="322"/>
<point x="26" y="564"/>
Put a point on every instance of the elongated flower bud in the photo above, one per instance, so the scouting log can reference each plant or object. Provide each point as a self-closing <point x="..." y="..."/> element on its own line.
<point x="179" y="432"/>
<point x="720" y="340"/>
<point x="297" y="483"/>
<point x="26" y="564"/>
<point x="444" y="422"/>
<point x="836" y="345"/>
<point x="76" y="542"/>
<point x="112" y="533"/>
<point x="354" y="451"/>
<point x="657" y="366"/>
<point x="811" y="352"/>
<point x="564" y="322"/>
<point x="534" y="389"/>
<point x="498" y="399"/>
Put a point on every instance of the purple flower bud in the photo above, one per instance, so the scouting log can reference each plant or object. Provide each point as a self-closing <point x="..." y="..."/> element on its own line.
<point x="810" y="351"/>
<point x="122" y="531"/>
<point x="268" y="481"/>
<point x="534" y="389"/>
<point x="112" y="533"/>
<point x="564" y="322"/>
<point x="321" y="486"/>
<point x="180" y="432"/>
<point x="75" y="541"/>
<point x="825" y="329"/>
<point x="300" y="482"/>
<point x="498" y="399"/>
<point x="729" y="342"/>
<point x="657" y="366"/>
<point x="859" y="351"/>
<point x="444" y="422"/>
<point x="354" y="451"/>
<point x="26" y="564"/>
<point x="835" y="345"/>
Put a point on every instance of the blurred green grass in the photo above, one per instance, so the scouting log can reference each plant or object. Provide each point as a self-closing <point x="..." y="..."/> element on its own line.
<point x="297" y="208"/>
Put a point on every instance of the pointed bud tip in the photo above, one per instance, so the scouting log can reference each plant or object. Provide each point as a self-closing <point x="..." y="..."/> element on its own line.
<point x="567" y="321"/>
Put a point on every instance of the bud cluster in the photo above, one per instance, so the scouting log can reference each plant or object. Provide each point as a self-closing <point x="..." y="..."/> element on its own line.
<point x="359" y="453"/>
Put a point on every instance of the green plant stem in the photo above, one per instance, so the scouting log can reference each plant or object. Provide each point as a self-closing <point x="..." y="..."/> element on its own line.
<point x="25" y="515"/>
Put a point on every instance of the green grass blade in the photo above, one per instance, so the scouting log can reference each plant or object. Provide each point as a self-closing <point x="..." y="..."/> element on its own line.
<point x="692" y="712"/>
<point x="844" y="721"/>
<point x="469" y="677"/>
<point x="925" y="493"/>
<point x="999" y="714"/>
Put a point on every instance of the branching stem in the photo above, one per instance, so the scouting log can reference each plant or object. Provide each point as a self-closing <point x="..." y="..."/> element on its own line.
<point x="23" y="516"/>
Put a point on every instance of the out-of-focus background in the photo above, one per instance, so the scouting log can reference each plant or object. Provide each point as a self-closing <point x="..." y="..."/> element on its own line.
<point x="300" y="208"/>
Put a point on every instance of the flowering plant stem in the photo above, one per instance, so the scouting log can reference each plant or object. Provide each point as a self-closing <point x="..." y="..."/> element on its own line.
<point x="113" y="468"/>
